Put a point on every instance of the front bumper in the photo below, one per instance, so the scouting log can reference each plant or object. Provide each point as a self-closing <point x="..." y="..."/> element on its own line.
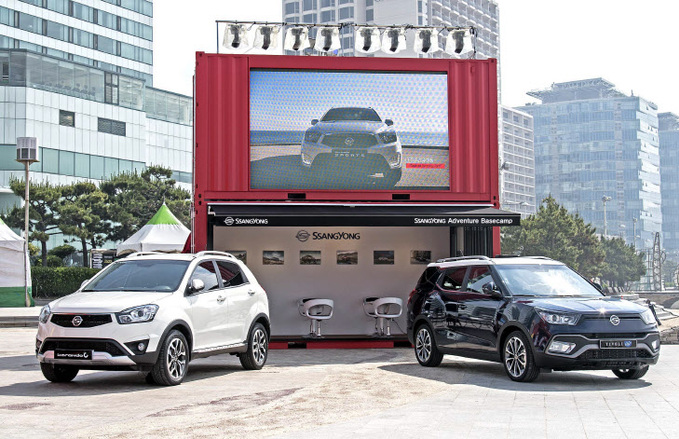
<point x="383" y="156"/>
<point x="105" y="354"/>
<point x="588" y="355"/>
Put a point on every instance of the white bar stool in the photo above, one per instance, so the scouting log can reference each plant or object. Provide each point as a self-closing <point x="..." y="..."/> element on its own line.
<point x="316" y="310"/>
<point x="383" y="309"/>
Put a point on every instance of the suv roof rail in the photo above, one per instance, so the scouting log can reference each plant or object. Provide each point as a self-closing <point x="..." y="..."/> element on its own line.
<point x="539" y="257"/>
<point x="135" y="254"/>
<point x="464" y="258"/>
<point x="213" y="252"/>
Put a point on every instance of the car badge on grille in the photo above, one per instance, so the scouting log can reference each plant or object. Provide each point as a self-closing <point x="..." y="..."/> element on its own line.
<point x="615" y="320"/>
<point x="77" y="321"/>
<point x="349" y="141"/>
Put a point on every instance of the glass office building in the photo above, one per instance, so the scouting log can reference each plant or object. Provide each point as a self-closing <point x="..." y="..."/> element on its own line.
<point x="517" y="162"/>
<point x="77" y="75"/>
<point x="595" y="143"/>
<point x="669" y="177"/>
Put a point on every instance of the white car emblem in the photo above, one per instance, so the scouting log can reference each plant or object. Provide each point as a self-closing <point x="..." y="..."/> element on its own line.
<point x="349" y="141"/>
<point x="77" y="321"/>
<point x="615" y="320"/>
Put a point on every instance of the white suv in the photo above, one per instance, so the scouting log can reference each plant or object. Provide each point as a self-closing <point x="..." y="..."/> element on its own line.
<point x="154" y="313"/>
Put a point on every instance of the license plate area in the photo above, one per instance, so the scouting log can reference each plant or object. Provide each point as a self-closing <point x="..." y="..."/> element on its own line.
<point x="345" y="154"/>
<point x="68" y="354"/>
<point x="617" y="344"/>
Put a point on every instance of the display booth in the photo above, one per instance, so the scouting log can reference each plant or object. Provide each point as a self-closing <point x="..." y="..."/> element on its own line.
<point x="13" y="264"/>
<point x="336" y="180"/>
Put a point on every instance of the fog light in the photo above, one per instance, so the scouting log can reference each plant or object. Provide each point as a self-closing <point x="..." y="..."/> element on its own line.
<point x="655" y="344"/>
<point x="560" y="347"/>
<point x="141" y="347"/>
<point x="306" y="159"/>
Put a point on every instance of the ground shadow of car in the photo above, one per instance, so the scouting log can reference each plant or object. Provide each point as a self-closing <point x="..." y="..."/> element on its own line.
<point x="492" y="375"/>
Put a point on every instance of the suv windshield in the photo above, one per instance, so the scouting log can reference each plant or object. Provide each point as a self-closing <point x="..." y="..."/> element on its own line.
<point x="336" y="114"/>
<point x="146" y="276"/>
<point x="545" y="281"/>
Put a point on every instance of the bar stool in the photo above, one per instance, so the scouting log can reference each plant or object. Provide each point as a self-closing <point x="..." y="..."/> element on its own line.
<point x="383" y="309"/>
<point x="316" y="310"/>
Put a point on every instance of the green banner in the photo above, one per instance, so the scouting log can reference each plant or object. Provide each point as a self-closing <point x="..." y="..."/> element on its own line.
<point x="14" y="296"/>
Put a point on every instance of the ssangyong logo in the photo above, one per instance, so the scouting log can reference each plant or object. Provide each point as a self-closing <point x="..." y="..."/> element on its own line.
<point x="302" y="236"/>
<point x="349" y="141"/>
<point x="77" y="321"/>
<point x="228" y="221"/>
<point x="615" y="320"/>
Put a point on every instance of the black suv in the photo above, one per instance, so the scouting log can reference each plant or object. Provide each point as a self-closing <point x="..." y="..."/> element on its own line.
<point x="529" y="313"/>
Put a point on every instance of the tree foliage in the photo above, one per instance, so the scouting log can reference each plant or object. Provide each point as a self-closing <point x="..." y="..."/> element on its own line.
<point x="558" y="234"/>
<point x="622" y="263"/>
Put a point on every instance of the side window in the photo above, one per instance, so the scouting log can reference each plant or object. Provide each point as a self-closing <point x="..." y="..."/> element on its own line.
<point x="428" y="279"/>
<point x="206" y="272"/>
<point x="231" y="274"/>
<point x="453" y="278"/>
<point x="478" y="277"/>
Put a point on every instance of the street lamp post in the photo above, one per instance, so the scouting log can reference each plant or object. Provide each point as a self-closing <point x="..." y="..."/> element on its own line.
<point x="605" y="199"/>
<point x="27" y="153"/>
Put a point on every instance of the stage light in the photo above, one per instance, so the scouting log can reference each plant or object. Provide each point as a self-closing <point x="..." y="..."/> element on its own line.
<point x="367" y="39"/>
<point x="235" y="36"/>
<point x="327" y="39"/>
<point x="426" y="40"/>
<point x="297" y="38"/>
<point x="266" y="36"/>
<point x="459" y="42"/>
<point x="394" y="40"/>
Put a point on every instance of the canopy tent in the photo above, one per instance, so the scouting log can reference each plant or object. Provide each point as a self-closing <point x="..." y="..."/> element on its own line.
<point x="163" y="233"/>
<point x="12" y="259"/>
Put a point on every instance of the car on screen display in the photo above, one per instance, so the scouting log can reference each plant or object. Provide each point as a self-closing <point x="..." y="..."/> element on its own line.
<point x="532" y="314"/>
<point x="155" y="313"/>
<point x="354" y="142"/>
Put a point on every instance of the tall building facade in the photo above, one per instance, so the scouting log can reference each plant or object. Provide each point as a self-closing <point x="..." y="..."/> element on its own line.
<point x="596" y="151"/>
<point x="483" y="14"/>
<point x="517" y="162"/>
<point x="669" y="178"/>
<point x="77" y="75"/>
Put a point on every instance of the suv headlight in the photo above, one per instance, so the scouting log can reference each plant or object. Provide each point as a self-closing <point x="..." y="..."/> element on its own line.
<point x="554" y="318"/>
<point x="648" y="317"/>
<point x="387" y="137"/>
<point x="138" y="314"/>
<point x="45" y="314"/>
<point x="312" y="136"/>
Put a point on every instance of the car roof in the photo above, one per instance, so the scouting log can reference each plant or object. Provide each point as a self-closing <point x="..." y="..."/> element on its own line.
<point x="463" y="261"/>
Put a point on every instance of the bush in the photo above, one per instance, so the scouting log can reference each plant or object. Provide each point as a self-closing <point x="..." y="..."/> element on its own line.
<point x="54" y="261"/>
<point x="59" y="281"/>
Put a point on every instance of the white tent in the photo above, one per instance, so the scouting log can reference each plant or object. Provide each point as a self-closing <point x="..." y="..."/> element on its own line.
<point x="163" y="233"/>
<point x="12" y="257"/>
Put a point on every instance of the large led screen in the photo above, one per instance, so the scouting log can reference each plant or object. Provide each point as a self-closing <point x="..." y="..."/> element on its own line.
<point x="348" y="130"/>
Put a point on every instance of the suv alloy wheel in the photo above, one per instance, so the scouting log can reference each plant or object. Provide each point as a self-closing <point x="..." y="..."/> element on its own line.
<point x="173" y="361"/>
<point x="425" y="348"/>
<point x="518" y="358"/>
<point x="258" y="345"/>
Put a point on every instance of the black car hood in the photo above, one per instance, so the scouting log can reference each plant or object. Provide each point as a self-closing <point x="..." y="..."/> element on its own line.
<point x="581" y="305"/>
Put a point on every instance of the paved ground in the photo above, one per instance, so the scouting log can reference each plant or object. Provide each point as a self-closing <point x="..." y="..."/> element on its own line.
<point x="335" y="393"/>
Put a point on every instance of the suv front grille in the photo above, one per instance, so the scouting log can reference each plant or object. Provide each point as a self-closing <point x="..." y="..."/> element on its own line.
<point x="100" y="345"/>
<point x="614" y="354"/>
<point x="88" y="320"/>
<point x="349" y="140"/>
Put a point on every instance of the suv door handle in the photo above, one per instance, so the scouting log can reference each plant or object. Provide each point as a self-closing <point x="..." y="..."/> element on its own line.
<point x="220" y="299"/>
<point x="251" y="292"/>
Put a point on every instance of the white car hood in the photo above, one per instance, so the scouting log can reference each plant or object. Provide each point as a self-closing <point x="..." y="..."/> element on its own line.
<point x="104" y="302"/>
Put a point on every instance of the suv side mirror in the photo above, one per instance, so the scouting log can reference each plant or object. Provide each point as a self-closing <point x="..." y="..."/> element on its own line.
<point x="388" y="122"/>
<point x="314" y="121"/>
<point x="492" y="290"/>
<point x="196" y="285"/>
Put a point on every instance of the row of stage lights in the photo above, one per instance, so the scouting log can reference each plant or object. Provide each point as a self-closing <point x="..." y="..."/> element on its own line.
<point x="460" y="41"/>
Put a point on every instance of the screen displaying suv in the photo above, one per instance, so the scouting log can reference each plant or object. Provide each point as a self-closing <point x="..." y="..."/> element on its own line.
<point x="528" y="313"/>
<point x="155" y="313"/>
<point x="354" y="142"/>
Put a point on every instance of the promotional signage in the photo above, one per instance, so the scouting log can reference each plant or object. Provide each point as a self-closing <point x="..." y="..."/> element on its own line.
<point x="483" y="221"/>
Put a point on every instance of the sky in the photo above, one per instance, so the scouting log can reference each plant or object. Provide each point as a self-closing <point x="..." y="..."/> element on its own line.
<point x="630" y="43"/>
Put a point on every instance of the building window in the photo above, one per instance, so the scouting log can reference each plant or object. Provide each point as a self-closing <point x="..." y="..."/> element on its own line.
<point x="345" y="13"/>
<point x="310" y="4"/>
<point x="369" y="15"/>
<point x="109" y="126"/>
<point x="327" y="16"/>
<point x="327" y="3"/>
<point x="66" y="118"/>
<point x="111" y="89"/>
<point x="292" y="8"/>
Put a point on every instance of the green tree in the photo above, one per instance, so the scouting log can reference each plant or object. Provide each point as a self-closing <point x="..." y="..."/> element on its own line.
<point x="622" y="263"/>
<point x="557" y="234"/>
<point x="43" y="223"/>
<point x="82" y="214"/>
<point x="134" y="198"/>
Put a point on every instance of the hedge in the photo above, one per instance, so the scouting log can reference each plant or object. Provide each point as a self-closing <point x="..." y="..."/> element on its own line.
<point x="58" y="281"/>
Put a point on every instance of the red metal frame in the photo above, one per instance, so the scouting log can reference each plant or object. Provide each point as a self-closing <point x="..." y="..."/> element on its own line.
<point x="222" y="131"/>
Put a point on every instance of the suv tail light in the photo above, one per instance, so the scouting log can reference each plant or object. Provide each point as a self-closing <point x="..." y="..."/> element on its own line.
<point x="412" y="293"/>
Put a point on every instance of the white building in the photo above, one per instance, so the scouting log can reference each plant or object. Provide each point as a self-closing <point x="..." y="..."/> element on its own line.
<point x="77" y="75"/>
<point x="517" y="162"/>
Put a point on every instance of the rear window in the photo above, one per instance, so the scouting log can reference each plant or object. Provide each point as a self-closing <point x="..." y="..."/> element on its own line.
<point x="428" y="279"/>
<point x="453" y="278"/>
<point x="141" y="275"/>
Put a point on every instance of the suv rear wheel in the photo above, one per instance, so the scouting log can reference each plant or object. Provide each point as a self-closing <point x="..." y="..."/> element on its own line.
<point x="517" y="357"/>
<point x="258" y="349"/>
<point x="425" y="347"/>
<point x="58" y="373"/>
<point x="173" y="360"/>
<point x="630" y="374"/>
